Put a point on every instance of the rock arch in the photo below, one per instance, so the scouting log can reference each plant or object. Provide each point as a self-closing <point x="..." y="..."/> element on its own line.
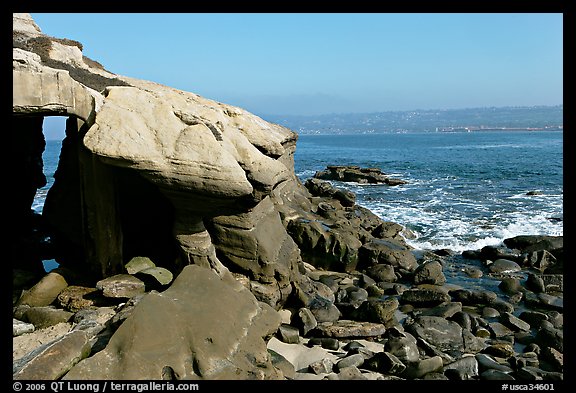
<point x="146" y="169"/>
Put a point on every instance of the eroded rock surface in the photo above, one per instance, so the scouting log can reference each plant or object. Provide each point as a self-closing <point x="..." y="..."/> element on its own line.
<point x="201" y="327"/>
<point x="243" y="272"/>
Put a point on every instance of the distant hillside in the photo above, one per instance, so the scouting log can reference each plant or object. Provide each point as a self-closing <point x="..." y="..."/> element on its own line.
<point x="472" y="119"/>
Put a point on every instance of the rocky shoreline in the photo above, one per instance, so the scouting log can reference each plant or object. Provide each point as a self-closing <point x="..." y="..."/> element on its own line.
<point x="397" y="317"/>
<point x="188" y="249"/>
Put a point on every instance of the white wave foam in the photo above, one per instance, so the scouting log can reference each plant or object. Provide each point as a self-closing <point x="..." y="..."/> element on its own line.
<point x="454" y="244"/>
<point x="306" y="173"/>
<point x="445" y="228"/>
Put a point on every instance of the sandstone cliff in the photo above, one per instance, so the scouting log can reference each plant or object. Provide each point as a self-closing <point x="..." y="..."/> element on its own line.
<point x="150" y="171"/>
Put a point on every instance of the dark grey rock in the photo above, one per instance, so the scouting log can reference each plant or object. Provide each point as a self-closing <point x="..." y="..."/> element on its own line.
<point x="532" y="347"/>
<point x="513" y="322"/>
<point x="473" y="272"/>
<point x="525" y="359"/>
<point x="443" y="310"/>
<point x="499" y="330"/>
<point x="473" y="297"/>
<point x="325" y="342"/>
<point x="365" y="281"/>
<point x="490" y="312"/>
<point x="467" y="367"/>
<point x="550" y="337"/>
<point x="392" y="289"/>
<point x="529" y="374"/>
<point x="556" y="318"/>
<point x="288" y="334"/>
<point x="496" y="375"/>
<point x="463" y="319"/>
<point x="348" y="361"/>
<point x="528" y="243"/>
<point x="487" y="362"/>
<point x="330" y="281"/>
<point x="553" y="282"/>
<point x="352" y="345"/>
<point x="533" y="318"/>
<point x="510" y="285"/>
<point x="435" y="376"/>
<point x="472" y="343"/>
<point x="390" y="252"/>
<point x="431" y="350"/>
<point x="376" y="310"/>
<point x="429" y="273"/>
<point x="352" y="173"/>
<point x="425" y="297"/>
<point x="544" y="301"/>
<point x="535" y="283"/>
<point x="443" y="334"/>
<point x="324" y="310"/>
<point x="541" y="260"/>
<point x="554" y="358"/>
<point x="501" y="305"/>
<point x="385" y="362"/>
<point x="375" y="291"/>
<point x="422" y="367"/>
<point x="404" y="346"/>
<point x="500" y="266"/>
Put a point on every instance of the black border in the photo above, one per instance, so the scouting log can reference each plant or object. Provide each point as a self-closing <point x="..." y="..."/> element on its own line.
<point x="418" y="6"/>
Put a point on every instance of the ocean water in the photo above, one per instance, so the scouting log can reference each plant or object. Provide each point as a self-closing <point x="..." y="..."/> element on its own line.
<point x="50" y="159"/>
<point x="465" y="190"/>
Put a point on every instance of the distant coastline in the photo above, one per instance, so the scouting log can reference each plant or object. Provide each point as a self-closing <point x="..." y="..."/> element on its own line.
<point x="534" y="118"/>
<point x="482" y="128"/>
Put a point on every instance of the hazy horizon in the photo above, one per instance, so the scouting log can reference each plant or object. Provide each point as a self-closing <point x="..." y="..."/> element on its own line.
<point x="54" y="125"/>
<point x="323" y="63"/>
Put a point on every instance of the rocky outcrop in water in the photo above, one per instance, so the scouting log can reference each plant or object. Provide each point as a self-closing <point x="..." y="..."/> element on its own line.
<point x="353" y="173"/>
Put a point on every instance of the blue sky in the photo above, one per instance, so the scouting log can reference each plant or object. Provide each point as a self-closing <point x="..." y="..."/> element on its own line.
<point x="298" y="63"/>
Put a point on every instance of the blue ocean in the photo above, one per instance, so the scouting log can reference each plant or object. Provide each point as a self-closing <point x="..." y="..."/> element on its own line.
<point x="465" y="190"/>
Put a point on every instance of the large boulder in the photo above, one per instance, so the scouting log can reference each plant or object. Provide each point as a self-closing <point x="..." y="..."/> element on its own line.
<point x="189" y="147"/>
<point x="202" y="327"/>
<point x="390" y="252"/>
